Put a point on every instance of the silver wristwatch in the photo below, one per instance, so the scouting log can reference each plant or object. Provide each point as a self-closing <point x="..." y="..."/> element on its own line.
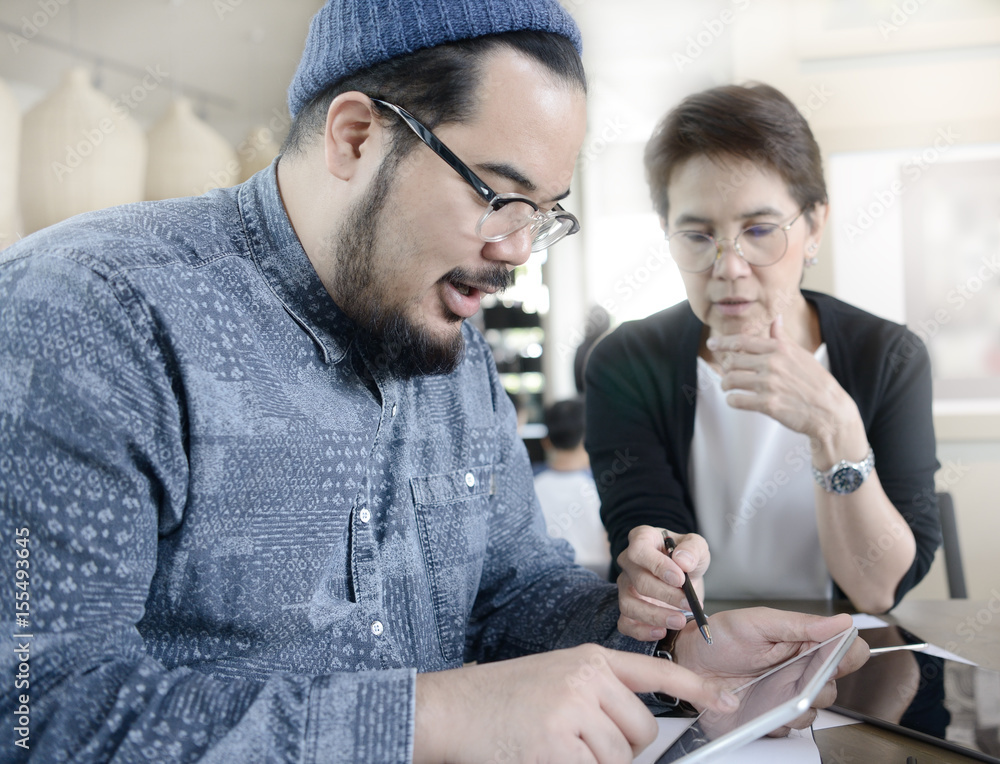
<point x="845" y="477"/>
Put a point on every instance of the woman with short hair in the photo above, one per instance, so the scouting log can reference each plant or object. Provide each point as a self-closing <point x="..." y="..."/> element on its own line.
<point x="788" y="429"/>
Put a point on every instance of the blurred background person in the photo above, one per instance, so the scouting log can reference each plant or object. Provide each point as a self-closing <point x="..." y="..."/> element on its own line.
<point x="598" y="323"/>
<point x="566" y="489"/>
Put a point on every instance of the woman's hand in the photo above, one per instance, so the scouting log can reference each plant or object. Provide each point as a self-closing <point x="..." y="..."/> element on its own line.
<point x="750" y="641"/>
<point x="649" y="587"/>
<point x="778" y="377"/>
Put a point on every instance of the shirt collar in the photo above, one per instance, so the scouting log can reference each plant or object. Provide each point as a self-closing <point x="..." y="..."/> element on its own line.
<point x="283" y="263"/>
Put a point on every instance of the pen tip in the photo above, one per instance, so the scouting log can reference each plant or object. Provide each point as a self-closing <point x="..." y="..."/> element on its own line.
<point x="706" y="633"/>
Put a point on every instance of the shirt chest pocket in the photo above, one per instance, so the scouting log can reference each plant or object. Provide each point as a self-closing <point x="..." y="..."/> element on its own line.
<point x="452" y="512"/>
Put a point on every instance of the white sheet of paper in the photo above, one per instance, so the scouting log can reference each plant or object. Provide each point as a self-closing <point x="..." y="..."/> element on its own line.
<point x="798" y="748"/>
<point x="865" y="621"/>
<point x="940" y="652"/>
<point x="826" y="719"/>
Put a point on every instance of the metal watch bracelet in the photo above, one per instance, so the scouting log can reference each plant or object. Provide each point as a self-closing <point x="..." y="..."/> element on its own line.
<point x="845" y="477"/>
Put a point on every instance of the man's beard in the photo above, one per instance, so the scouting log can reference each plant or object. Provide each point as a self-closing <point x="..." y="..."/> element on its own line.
<point x="385" y="335"/>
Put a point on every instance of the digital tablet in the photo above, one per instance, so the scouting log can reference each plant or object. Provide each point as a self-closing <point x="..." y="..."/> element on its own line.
<point x="767" y="702"/>
<point x="948" y="703"/>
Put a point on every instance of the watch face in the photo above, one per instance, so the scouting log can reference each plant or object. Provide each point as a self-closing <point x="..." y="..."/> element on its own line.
<point x="846" y="480"/>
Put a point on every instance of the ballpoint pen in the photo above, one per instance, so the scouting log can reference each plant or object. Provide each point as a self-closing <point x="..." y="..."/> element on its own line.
<point x="689" y="592"/>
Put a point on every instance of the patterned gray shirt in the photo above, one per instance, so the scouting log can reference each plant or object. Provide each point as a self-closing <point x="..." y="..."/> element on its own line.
<point x="244" y="537"/>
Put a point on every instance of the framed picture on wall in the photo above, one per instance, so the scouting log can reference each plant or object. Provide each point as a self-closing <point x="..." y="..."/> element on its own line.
<point x="916" y="236"/>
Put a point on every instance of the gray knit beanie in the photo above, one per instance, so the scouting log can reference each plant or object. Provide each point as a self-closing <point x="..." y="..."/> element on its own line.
<point x="346" y="36"/>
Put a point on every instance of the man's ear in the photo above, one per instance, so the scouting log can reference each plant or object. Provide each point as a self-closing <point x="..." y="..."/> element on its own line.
<point x="348" y="134"/>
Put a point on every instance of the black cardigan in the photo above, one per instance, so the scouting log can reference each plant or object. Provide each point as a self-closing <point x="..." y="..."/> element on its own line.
<point x="641" y="391"/>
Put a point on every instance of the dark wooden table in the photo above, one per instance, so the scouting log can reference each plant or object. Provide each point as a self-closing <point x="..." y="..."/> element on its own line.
<point x="969" y="628"/>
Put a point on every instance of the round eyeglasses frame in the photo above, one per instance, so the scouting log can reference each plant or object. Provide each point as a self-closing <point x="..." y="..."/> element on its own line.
<point x="736" y="243"/>
<point x="546" y="228"/>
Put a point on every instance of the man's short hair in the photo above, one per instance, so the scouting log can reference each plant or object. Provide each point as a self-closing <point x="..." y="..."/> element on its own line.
<point x="565" y="421"/>
<point x="437" y="85"/>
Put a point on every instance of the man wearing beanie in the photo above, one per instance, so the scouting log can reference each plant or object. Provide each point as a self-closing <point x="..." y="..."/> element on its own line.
<point x="266" y="479"/>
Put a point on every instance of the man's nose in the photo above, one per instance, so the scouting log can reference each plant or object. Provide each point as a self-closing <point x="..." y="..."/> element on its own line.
<point x="514" y="249"/>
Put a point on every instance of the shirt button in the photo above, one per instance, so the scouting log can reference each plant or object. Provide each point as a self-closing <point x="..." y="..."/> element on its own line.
<point x="365" y="515"/>
<point x="470" y="479"/>
<point x="377" y="628"/>
<point x="395" y="408"/>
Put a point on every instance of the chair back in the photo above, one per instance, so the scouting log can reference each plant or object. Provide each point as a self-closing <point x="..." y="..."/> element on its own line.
<point x="952" y="549"/>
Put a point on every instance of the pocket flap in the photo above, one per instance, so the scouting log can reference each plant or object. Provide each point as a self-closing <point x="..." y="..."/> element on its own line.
<point x="452" y="486"/>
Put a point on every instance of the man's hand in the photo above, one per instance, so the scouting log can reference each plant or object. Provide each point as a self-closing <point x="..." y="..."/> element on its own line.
<point x="747" y="642"/>
<point x="575" y="705"/>
<point x="649" y="587"/>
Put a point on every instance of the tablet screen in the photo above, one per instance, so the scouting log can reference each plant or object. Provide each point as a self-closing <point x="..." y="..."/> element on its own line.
<point x="951" y="704"/>
<point x="766" y="703"/>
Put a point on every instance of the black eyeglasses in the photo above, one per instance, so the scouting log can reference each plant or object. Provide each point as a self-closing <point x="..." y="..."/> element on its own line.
<point x="506" y="213"/>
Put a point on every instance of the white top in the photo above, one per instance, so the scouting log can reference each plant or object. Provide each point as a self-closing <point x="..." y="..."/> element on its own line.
<point x="572" y="511"/>
<point x="753" y="491"/>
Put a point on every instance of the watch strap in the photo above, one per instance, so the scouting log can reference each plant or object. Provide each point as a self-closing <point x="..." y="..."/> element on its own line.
<point x="665" y="650"/>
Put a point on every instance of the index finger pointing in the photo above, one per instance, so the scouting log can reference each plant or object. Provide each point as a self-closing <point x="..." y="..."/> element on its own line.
<point x="743" y="343"/>
<point x="646" y="673"/>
